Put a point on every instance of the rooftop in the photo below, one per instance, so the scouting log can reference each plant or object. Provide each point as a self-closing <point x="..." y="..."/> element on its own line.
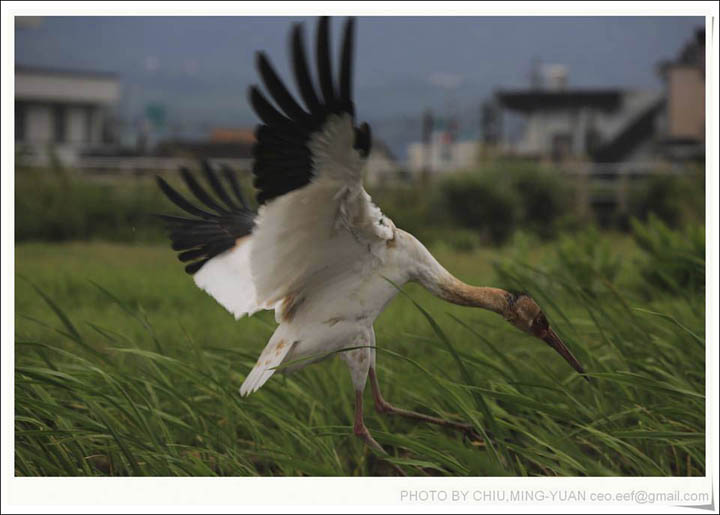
<point x="35" y="84"/>
<point x="64" y="72"/>
<point x="528" y="100"/>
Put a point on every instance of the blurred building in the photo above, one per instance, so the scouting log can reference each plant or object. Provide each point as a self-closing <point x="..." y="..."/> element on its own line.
<point x="563" y="123"/>
<point x="245" y="136"/>
<point x="61" y="113"/>
<point x="684" y="77"/>
<point x="442" y="148"/>
<point x="230" y="145"/>
<point x="613" y="125"/>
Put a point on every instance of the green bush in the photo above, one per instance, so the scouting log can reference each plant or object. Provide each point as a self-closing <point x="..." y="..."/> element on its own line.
<point x="462" y="210"/>
<point x="675" y="258"/>
<point x="544" y="200"/>
<point x="57" y="207"/>
<point x="411" y="207"/>
<point x="588" y="260"/>
<point x="486" y="206"/>
<point x="497" y="201"/>
<point x="674" y="199"/>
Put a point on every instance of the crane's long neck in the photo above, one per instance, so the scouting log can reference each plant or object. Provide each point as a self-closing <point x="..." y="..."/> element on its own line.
<point x="441" y="283"/>
<point x="458" y="292"/>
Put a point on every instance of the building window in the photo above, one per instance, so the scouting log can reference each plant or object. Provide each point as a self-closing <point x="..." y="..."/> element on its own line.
<point x="88" y="124"/>
<point x="20" y="116"/>
<point x="59" y="123"/>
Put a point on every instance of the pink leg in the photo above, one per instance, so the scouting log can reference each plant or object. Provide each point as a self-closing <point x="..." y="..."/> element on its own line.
<point x="360" y="430"/>
<point x="382" y="406"/>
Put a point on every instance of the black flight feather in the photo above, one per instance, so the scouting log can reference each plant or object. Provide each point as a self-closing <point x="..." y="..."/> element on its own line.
<point x="282" y="158"/>
<point x="265" y="109"/>
<point x="201" y="239"/>
<point x="302" y="73"/>
<point x="230" y="177"/>
<point x="278" y="91"/>
<point x="199" y="192"/>
<point x="322" y="56"/>
<point x="180" y="201"/>
<point x="214" y="182"/>
<point x="346" y="67"/>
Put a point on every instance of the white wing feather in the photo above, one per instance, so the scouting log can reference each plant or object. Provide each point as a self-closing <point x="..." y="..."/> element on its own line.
<point x="320" y="231"/>
<point x="227" y="278"/>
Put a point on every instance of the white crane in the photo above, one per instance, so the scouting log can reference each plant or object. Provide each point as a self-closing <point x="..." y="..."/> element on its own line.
<point x="318" y="251"/>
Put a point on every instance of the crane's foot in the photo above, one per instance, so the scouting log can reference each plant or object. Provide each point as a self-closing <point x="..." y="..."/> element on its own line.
<point x="385" y="407"/>
<point x="363" y="433"/>
<point x="382" y="406"/>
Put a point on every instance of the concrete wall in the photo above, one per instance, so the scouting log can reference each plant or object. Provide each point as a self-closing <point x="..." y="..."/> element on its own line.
<point x="38" y="123"/>
<point x="83" y="124"/>
<point x="81" y="100"/>
<point x="686" y="103"/>
<point x="76" y="129"/>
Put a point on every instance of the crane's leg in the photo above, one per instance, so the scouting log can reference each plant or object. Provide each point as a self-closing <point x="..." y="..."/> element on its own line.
<point x="383" y="406"/>
<point x="359" y="428"/>
<point x="358" y="361"/>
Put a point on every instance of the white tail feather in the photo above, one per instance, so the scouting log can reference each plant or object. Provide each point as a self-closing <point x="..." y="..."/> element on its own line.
<point x="272" y="355"/>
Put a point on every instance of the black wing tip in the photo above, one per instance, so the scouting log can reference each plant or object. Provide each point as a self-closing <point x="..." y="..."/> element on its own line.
<point x="286" y="125"/>
<point x="349" y="28"/>
<point x="261" y="59"/>
<point x="324" y="64"/>
<point x="296" y="33"/>
<point x="163" y="184"/>
<point x="192" y="268"/>
<point x="253" y="94"/>
<point x="201" y="239"/>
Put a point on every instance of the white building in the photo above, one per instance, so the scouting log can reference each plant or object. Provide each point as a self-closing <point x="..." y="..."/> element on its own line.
<point x="441" y="155"/>
<point x="61" y="112"/>
<point x="577" y="123"/>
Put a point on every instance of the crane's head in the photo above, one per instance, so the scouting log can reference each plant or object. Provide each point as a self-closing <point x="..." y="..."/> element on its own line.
<point x="524" y="313"/>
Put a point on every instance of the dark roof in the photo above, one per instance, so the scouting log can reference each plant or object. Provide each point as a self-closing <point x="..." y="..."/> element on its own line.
<point x="638" y="130"/>
<point x="67" y="72"/>
<point x="529" y="100"/>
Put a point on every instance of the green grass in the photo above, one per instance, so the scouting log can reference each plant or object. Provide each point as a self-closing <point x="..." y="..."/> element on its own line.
<point x="124" y="367"/>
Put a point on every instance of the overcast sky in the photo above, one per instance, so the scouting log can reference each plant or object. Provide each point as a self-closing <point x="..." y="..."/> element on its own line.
<point x="200" y="67"/>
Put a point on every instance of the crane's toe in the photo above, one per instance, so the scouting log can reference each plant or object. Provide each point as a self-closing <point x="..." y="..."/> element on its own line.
<point x="363" y="433"/>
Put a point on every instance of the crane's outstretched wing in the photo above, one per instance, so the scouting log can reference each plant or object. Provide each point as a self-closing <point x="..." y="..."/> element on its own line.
<point x="316" y="222"/>
<point x="216" y="243"/>
<point x="317" y="235"/>
<point x="316" y="226"/>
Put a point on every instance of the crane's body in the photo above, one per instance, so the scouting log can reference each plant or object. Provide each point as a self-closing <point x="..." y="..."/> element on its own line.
<point x="318" y="251"/>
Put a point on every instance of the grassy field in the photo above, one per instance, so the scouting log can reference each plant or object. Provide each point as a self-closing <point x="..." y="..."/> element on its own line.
<point x="124" y="367"/>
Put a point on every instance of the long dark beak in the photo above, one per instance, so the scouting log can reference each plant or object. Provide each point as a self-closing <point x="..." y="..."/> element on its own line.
<point x="554" y="341"/>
